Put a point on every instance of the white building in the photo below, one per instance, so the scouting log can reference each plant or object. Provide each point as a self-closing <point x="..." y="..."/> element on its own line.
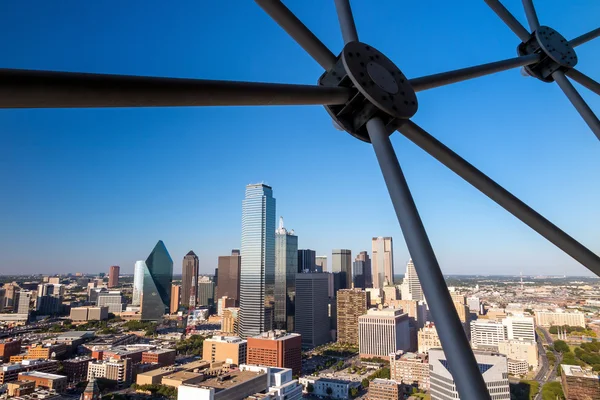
<point x="138" y="282"/>
<point x="520" y="350"/>
<point x="474" y="304"/>
<point x="340" y="389"/>
<point x="411" y="286"/>
<point x="519" y="328"/>
<point x="517" y="367"/>
<point x="494" y="368"/>
<point x="487" y="334"/>
<point x="428" y="338"/>
<point x="548" y="318"/>
<point x="381" y="332"/>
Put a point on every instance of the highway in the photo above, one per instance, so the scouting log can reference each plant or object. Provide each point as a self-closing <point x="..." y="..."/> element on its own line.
<point x="545" y="374"/>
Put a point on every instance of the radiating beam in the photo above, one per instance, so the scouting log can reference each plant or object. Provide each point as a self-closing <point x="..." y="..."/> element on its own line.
<point x="500" y="195"/>
<point x="586" y="37"/>
<point x="299" y="32"/>
<point x="346" y="19"/>
<point x="584" y="80"/>
<point x="48" y="89"/>
<point x="578" y="102"/>
<point x="465" y="371"/>
<point x="509" y="20"/>
<point x="447" y="78"/>
<point x="531" y="15"/>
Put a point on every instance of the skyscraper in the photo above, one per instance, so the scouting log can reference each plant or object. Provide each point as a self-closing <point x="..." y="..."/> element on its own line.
<point x="206" y="292"/>
<point x="383" y="261"/>
<point x="138" y="282"/>
<point x="286" y="268"/>
<point x="257" y="277"/>
<point x="358" y="274"/>
<point x="321" y="263"/>
<point x="307" y="261"/>
<point x="156" y="292"/>
<point x="312" y="316"/>
<point x="351" y="303"/>
<point x="342" y="262"/>
<point x="228" y="276"/>
<point x="189" y="279"/>
<point x="368" y="277"/>
<point x="113" y="276"/>
<point x="21" y="301"/>
<point x="49" y="298"/>
<point x="175" y="298"/>
<point x="411" y="286"/>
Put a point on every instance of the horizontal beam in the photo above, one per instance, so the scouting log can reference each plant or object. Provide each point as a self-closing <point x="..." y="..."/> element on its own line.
<point x="447" y="78"/>
<point x="586" y="37"/>
<point x="584" y="80"/>
<point x="509" y="19"/>
<point x="49" y="89"/>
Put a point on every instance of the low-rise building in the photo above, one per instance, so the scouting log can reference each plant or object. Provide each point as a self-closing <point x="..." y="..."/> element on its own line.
<point x="276" y="349"/>
<point x="46" y="351"/>
<point x="162" y="357"/>
<point x="520" y="350"/>
<point x="229" y="349"/>
<point x="579" y="383"/>
<point x="20" y="388"/>
<point x="8" y="348"/>
<point x="340" y="389"/>
<point x="10" y="372"/>
<point x="79" y="314"/>
<point x="114" y="370"/>
<point x="155" y="376"/>
<point x="45" y="380"/>
<point x="182" y="377"/>
<point x="517" y="367"/>
<point x="76" y="369"/>
<point x="386" y="389"/>
<point x="410" y="369"/>
<point x="549" y="318"/>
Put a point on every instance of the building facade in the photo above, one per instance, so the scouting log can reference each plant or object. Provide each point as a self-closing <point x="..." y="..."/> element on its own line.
<point x="114" y="300"/>
<point x="49" y="298"/>
<point x="22" y="301"/>
<point x="428" y="338"/>
<point x="286" y="268"/>
<point x="386" y="389"/>
<point x="351" y="303"/>
<point x="383" y="261"/>
<point x="138" y="282"/>
<point x="382" y="332"/>
<point x="312" y="318"/>
<point x="276" y="349"/>
<point x="487" y="334"/>
<point x="229" y="276"/>
<point x="175" y="298"/>
<point x="410" y="368"/>
<point x="113" y="276"/>
<point x="307" y="261"/>
<point x="547" y="318"/>
<point x="341" y="262"/>
<point x="189" y="279"/>
<point x="321" y="263"/>
<point x="158" y="275"/>
<point x="519" y="328"/>
<point x="206" y="292"/>
<point x="229" y="349"/>
<point x="520" y="350"/>
<point x="579" y="384"/>
<point x="411" y="286"/>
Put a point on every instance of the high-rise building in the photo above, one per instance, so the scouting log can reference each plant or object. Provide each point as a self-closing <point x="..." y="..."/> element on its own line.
<point x="321" y="262"/>
<point x="229" y="276"/>
<point x="410" y="368"/>
<point x="312" y="318"/>
<point x="175" y="298"/>
<point x="351" y="304"/>
<point x="474" y="304"/>
<point x="286" y="268"/>
<point x="158" y="277"/>
<point x="114" y="300"/>
<point x="230" y="320"/>
<point x="49" y="298"/>
<point x="487" y="334"/>
<point x="381" y="332"/>
<point x="493" y="367"/>
<point x="22" y="300"/>
<point x="358" y="274"/>
<point x="138" y="282"/>
<point x="228" y="349"/>
<point x="367" y="268"/>
<point x="341" y="262"/>
<point x="276" y="349"/>
<point x="257" y="277"/>
<point x="113" y="276"/>
<point x="206" y="292"/>
<point x="383" y="262"/>
<point x="189" y="279"/>
<point x="307" y="261"/>
<point x="411" y="286"/>
<point x="428" y="338"/>
<point x="519" y="328"/>
<point x="11" y="290"/>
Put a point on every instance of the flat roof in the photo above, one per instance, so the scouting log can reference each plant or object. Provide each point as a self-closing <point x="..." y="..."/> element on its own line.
<point x="76" y="334"/>
<point x="576" y="370"/>
<point x="276" y="335"/>
<point x="183" y="375"/>
<point x="226" y="339"/>
<point x="194" y="365"/>
<point x="159" y="351"/>
<point x="159" y="372"/>
<point x="234" y="378"/>
<point x="45" y="375"/>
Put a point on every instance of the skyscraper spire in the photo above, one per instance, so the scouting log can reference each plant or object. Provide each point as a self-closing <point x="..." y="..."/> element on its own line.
<point x="280" y="222"/>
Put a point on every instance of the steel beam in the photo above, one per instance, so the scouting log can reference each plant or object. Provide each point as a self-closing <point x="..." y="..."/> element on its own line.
<point x="346" y="19"/>
<point x="299" y="32"/>
<point x="501" y="196"/>
<point x="584" y="80"/>
<point x="586" y="37"/>
<point x="532" y="18"/>
<point x="463" y="366"/>
<point x="49" y="89"/>
<point x="509" y="20"/>
<point x="447" y="78"/>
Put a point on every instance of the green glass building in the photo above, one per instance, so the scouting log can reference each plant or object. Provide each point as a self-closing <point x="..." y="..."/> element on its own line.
<point x="156" y="290"/>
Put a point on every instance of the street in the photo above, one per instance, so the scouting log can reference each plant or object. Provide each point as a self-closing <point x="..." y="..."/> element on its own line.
<point x="545" y="374"/>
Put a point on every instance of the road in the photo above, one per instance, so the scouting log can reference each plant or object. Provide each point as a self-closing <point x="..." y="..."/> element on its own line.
<point x="546" y="374"/>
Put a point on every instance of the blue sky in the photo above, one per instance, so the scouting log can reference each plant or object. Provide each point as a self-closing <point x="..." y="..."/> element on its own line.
<point x="86" y="189"/>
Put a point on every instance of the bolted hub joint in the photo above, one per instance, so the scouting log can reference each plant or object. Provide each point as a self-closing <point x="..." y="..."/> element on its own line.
<point x="558" y="55"/>
<point x="382" y="90"/>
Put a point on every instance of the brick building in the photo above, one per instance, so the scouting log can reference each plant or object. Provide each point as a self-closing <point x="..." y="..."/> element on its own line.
<point x="10" y="372"/>
<point x="76" y="369"/>
<point x="163" y="357"/>
<point x="9" y="348"/>
<point x="276" y="349"/>
<point x="579" y="384"/>
<point x="229" y="349"/>
<point x="385" y="389"/>
<point x="45" y="380"/>
<point x="46" y="351"/>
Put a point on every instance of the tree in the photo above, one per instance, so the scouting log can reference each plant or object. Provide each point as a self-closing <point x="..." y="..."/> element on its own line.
<point x="561" y="346"/>
<point x="552" y="391"/>
<point x="353" y="392"/>
<point x="310" y="388"/>
<point x="365" y="383"/>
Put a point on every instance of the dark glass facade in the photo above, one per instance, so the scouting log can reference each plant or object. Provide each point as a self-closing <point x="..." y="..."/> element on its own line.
<point x="158" y="276"/>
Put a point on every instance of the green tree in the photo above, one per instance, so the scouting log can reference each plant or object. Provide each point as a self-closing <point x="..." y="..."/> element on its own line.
<point x="365" y="383"/>
<point x="552" y="391"/>
<point x="353" y="392"/>
<point x="561" y="346"/>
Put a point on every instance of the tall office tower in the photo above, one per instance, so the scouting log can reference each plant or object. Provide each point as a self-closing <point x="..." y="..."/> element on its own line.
<point x="189" y="279"/>
<point x="21" y="302"/>
<point x="175" y="298"/>
<point x="307" y="261"/>
<point x="367" y="270"/>
<point x="9" y="296"/>
<point x="49" y="298"/>
<point x="358" y="274"/>
<point x="158" y="275"/>
<point x="341" y="262"/>
<point x="486" y="334"/>
<point x="383" y="262"/>
<point x="257" y="277"/>
<point x="229" y="276"/>
<point x="382" y="332"/>
<point x="138" y="282"/>
<point x="351" y="304"/>
<point x="113" y="276"/>
<point x="286" y="268"/>
<point x="493" y="367"/>
<point x="321" y="263"/>
<point x="312" y="317"/>
<point x="206" y="292"/>
<point x="411" y="286"/>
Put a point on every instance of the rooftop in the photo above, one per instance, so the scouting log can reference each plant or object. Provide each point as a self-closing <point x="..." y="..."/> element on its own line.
<point x="183" y="376"/>
<point x="386" y="312"/>
<point x="159" y="351"/>
<point x="160" y="371"/>
<point x="575" y="370"/>
<point x="76" y="335"/>
<point x="276" y="335"/>
<point x="228" y="380"/>
<point x="382" y="382"/>
<point x="45" y="375"/>
<point x="226" y="339"/>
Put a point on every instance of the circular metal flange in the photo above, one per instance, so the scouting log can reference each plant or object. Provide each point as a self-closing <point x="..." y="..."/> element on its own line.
<point x="379" y="80"/>
<point x="555" y="46"/>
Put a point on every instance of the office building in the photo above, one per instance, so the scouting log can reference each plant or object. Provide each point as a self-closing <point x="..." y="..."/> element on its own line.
<point x="474" y="304"/>
<point x="428" y="338"/>
<point x="307" y="261"/>
<point x="230" y="320"/>
<point x="276" y="349"/>
<point x="113" y="276"/>
<point x="321" y="263"/>
<point x="189" y="279"/>
<point x="46" y="351"/>
<point x="10" y="372"/>
<point x="45" y="380"/>
<point x="206" y="292"/>
<point x="76" y="369"/>
<point x="493" y="367"/>
<point x="158" y="275"/>
<point x="579" y="383"/>
<point x="519" y="328"/>
<point x="162" y="357"/>
<point x="385" y="389"/>
<point x="20" y="388"/>
<point x="382" y="332"/>
<point x="9" y="348"/>
<point x="358" y="275"/>
<point x="229" y="276"/>
<point x="351" y="304"/>
<point x="410" y="369"/>
<point x="138" y="282"/>
<point x="175" y="298"/>
<point x="257" y="277"/>
<point x="11" y="290"/>
<point x="21" y="302"/>
<point x="411" y="286"/>
<point x="390" y="293"/>
<point x="367" y="268"/>
<point x="548" y="318"/>
<point x="119" y="371"/>
<point x="286" y="268"/>
<point x="89" y="313"/>
<point x="228" y="349"/>
<point x="383" y="262"/>
<point x="49" y="298"/>
<point x="487" y="334"/>
<point x="520" y="350"/>
<point x="312" y="317"/>
<point x="114" y="300"/>
<point x="341" y="262"/>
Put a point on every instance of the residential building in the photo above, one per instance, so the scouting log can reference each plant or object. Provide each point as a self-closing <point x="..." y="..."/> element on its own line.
<point x="229" y="349"/>
<point x="312" y="317"/>
<point x="493" y="366"/>
<point x="206" y="292"/>
<point x="158" y="275"/>
<point x="428" y="338"/>
<point x="8" y="348"/>
<point x="113" y="276"/>
<point x="383" y="262"/>
<point x="89" y="313"/>
<point x="114" y="370"/>
<point x="386" y="389"/>
<point x="49" y="298"/>
<point x="286" y="268"/>
<point x="114" y="300"/>
<point x="175" y="298"/>
<point x="487" y="334"/>
<point x="138" y="282"/>
<point x="410" y="369"/>
<point x="21" y="302"/>
<point x="307" y="261"/>
<point x="257" y="277"/>
<point x="229" y="276"/>
<point x="189" y="279"/>
<point x="411" y="286"/>
<point x="10" y="372"/>
<point x="548" y="318"/>
<point x="579" y="383"/>
<point x="45" y="380"/>
<point x="367" y="268"/>
<point x="230" y="320"/>
<point x="276" y="349"/>
<point x="321" y="263"/>
<point x="76" y="369"/>
<point x="341" y="262"/>
<point x="163" y="357"/>
<point x="382" y="332"/>
<point x="351" y="304"/>
<point x="520" y="350"/>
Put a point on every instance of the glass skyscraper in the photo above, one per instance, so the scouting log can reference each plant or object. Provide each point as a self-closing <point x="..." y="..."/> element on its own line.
<point x="156" y="292"/>
<point x="257" y="275"/>
<point x="286" y="267"/>
<point x="138" y="282"/>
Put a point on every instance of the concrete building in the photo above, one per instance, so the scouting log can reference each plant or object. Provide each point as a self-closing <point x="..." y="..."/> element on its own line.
<point x="517" y="367"/>
<point x="8" y="348"/>
<point x="10" y="372"/>
<point x="155" y="376"/>
<point x="351" y="303"/>
<point x="276" y="349"/>
<point x="312" y="318"/>
<point x="321" y="262"/>
<point x="45" y="380"/>
<point x="474" y="304"/>
<point x="114" y="370"/>
<point x="520" y="350"/>
<point x="547" y="318"/>
<point x="113" y="299"/>
<point x="390" y="293"/>
<point x="328" y="388"/>
<point x="579" y="383"/>
<point x="286" y="268"/>
<point x="487" y="334"/>
<point x="341" y="262"/>
<point x="428" y="338"/>
<point x="22" y="301"/>
<point x="189" y="279"/>
<point x="382" y="332"/>
<point x="230" y="321"/>
<point x="519" y="328"/>
<point x="386" y="389"/>
<point x="46" y="351"/>
<point x="89" y="313"/>
<point x="175" y="298"/>
<point x="182" y="378"/>
<point x="20" y="388"/>
<point x="383" y="262"/>
<point x="229" y="276"/>
<point x="113" y="276"/>
<point x="411" y="286"/>
<point x="49" y="298"/>
<point x="206" y="292"/>
<point x="493" y="366"/>
<point x="410" y="369"/>
<point x="229" y="349"/>
<point x="162" y="357"/>
<point x="138" y="282"/>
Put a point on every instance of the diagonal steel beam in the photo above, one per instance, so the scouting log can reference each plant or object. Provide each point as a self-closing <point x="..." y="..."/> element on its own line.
<point x="531" y="15"/>
<point x="509" y="20"/>
<point x="586" y="37"/>
<point x="459" y="75"/>
<point x="501" y="196"/>
<point x="49" y="89"/>
<point x="299" y="32"/>
<point x="584" y="80"/>
<point x="346" y="19"/>
<point x="578" y="102"/>
<point x="457" y="349"/>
